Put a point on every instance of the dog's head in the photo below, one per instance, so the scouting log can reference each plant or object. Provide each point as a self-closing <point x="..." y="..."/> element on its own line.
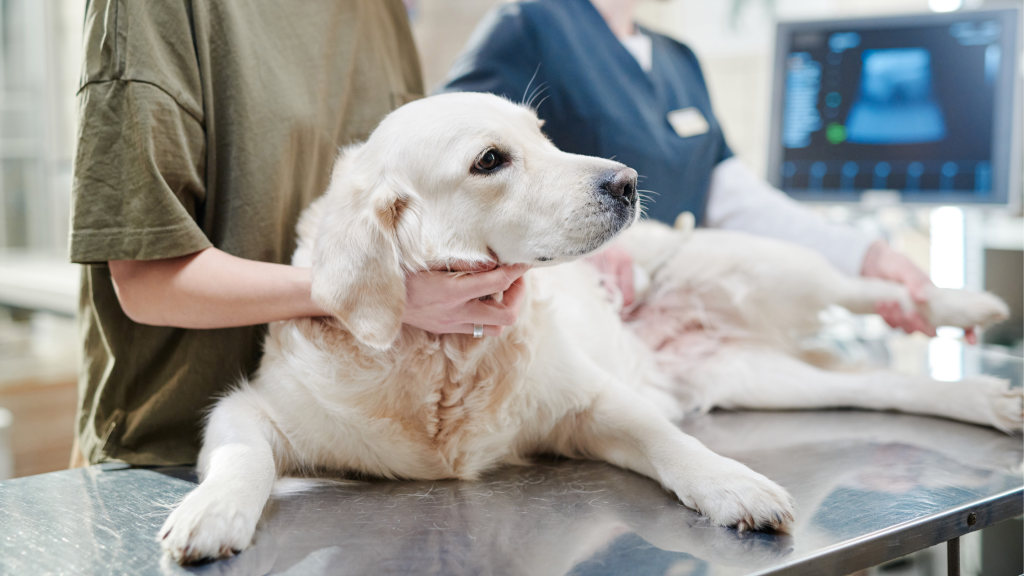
<point x="455" y="178"/>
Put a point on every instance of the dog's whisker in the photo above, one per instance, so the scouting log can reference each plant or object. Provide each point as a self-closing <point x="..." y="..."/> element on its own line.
<point x="532" y="78"/>
<point x="542" y="88"/>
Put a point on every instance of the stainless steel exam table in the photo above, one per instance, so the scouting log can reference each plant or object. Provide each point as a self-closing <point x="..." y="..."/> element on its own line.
<point x="869" y="487"/>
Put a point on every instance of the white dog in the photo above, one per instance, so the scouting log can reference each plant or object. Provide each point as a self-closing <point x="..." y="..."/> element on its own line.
<point x="470" y="177"/>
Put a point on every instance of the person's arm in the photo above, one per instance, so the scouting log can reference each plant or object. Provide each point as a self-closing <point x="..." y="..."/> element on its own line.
<point x="739" y="200"/>
<point x="212" y="289"/>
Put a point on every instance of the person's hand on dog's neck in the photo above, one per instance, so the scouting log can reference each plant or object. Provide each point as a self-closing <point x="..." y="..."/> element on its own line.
<point x="445" y="303"/>
<point x="213" y="289"/>
<point x="619" y="15"/>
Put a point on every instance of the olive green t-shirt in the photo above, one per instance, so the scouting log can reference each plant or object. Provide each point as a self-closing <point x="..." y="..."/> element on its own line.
<point x="207" y="123"/>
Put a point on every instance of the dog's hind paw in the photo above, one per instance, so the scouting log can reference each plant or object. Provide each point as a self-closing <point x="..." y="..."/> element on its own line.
<point x="730" y="494"/>
<point x="965" y="309"/>
<point x="208" y="525"/>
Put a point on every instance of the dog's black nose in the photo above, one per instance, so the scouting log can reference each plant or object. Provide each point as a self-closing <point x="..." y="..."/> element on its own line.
<point x="621" y="184"/>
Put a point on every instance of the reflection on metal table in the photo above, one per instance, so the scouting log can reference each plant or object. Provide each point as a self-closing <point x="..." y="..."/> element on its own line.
<point x="869" y="487"/>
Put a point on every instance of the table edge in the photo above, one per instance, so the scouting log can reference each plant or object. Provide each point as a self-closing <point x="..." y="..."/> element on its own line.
<point x="877" y="547"/>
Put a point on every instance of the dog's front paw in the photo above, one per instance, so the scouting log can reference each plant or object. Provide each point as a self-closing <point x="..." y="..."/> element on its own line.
<point x="730" y="494"/>
<point x="211" y="523"/>
<point x="965" y="309"/>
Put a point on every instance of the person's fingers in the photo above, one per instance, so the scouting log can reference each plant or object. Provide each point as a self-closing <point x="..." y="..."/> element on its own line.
<point x="894" y="316"/>
<point x="481" y="284"/>
<point x="918" y="291"/>
<point x="513" y="297"/>
<point x="915" y="281"/>
<point x="914" y="323"/>
<point x="490" y="312"/>
<point x="881" y="261"/>
<point x="883" y="310"/>
<point x="971" y="336"/>
<point x="625" y="274"/>
<point x="890" y="312"/>
<point x="919" y="324"/>
<point x="928" y="328"/>
<point x="486" y="312"/>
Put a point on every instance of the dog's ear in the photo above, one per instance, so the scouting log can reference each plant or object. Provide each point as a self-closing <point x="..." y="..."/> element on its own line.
<point x="358" y="274"/>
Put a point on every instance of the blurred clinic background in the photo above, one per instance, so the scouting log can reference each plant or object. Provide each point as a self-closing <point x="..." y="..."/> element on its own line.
<point x="962" y="243"/>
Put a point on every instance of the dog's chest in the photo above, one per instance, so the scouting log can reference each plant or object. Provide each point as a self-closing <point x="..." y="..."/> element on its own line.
<point x="465" y="419"/>
<point x="432" y="407"/>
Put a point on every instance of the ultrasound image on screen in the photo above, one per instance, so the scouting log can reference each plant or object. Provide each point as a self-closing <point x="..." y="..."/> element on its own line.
<point x="895" y="104"/>
<point x="896" y="109"/>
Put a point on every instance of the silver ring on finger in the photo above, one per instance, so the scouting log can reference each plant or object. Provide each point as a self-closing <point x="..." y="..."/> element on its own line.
<point x="478" y="330"/>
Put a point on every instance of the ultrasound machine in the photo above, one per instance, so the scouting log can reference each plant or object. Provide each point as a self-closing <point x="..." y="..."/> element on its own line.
<point x="925" y="105"/>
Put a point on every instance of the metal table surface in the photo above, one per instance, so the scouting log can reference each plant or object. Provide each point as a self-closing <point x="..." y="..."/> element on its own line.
<point x="869" y="487"/>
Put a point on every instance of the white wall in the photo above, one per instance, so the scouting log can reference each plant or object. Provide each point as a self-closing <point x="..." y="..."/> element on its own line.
<point x="441" y="29"/>
<point x="39" y="64"/>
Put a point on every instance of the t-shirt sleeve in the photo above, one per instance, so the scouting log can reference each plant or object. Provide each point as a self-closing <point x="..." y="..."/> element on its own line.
<point x="139" y="175"/>
<point x="501" y="57"/>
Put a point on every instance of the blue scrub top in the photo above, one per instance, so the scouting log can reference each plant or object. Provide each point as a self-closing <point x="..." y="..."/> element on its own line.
<point x="594" y="97"/>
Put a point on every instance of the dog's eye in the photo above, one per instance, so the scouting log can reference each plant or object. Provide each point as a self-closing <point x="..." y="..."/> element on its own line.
<point x="490" y="161"/>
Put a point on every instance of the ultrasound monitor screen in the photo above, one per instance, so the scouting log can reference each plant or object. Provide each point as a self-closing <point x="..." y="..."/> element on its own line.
<point x="909" y="106"/>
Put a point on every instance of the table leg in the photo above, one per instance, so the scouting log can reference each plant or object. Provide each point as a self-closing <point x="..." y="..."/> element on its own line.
<point x="953" y="557"/>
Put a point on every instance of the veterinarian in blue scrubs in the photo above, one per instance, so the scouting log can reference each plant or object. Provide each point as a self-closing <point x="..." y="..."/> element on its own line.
<point x="606" y="87"/>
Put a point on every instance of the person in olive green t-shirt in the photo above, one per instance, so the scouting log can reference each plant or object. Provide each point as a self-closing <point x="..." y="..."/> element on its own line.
<point x="206" y="127"/>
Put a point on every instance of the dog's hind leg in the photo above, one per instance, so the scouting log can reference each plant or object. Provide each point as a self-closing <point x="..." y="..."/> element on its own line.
<point x="218" y="519"/>
<point x="625" y="430"/>
<point x="943" y="307"/>
<point x="762" y="378"/>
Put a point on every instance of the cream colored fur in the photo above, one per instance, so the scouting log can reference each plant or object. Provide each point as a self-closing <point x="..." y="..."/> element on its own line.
<point x="362" y="393"/>
<point x="724" y="313"/>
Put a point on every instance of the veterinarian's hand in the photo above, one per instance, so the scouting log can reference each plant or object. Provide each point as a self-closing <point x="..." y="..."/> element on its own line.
<point x="445" y="303"/>
<point x="615" y="264"/>
<point x="883" y="262"/>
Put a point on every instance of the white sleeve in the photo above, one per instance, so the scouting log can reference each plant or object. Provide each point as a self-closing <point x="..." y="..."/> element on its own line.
<point x="739" y="200"/>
